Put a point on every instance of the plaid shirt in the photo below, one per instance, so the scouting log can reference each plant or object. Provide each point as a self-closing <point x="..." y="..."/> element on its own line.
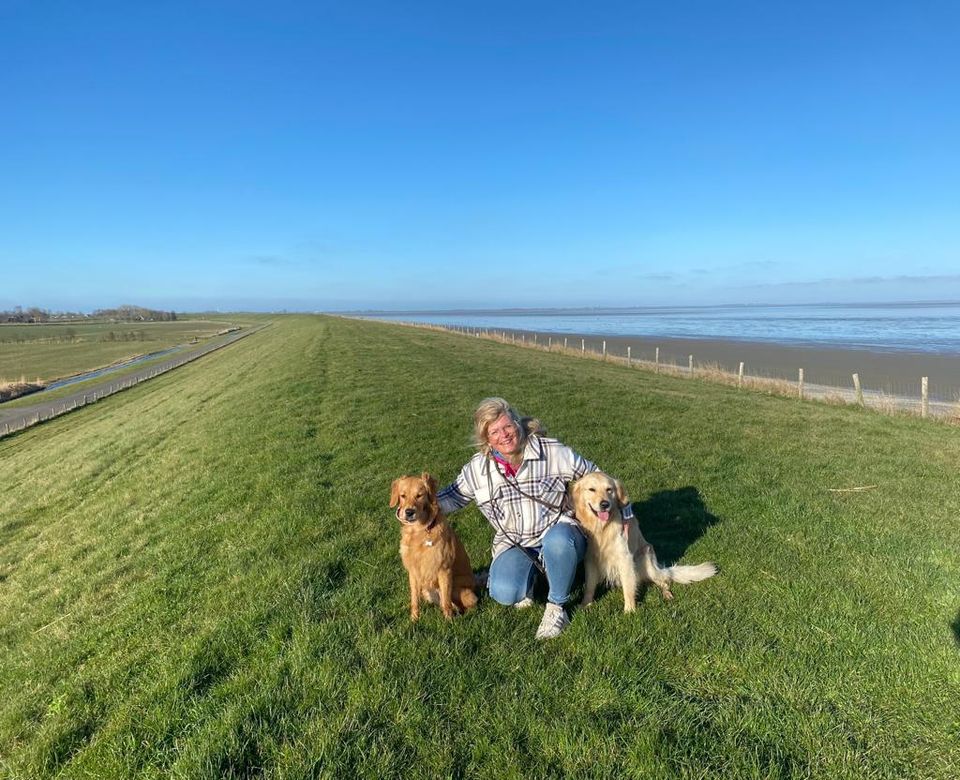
<point x="547" y="467"/>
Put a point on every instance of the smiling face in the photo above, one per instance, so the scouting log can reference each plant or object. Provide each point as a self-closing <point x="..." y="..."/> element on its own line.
<point x="503" y="435"/>
<point x="598" y="498"/>
<point x="415" y="499"/>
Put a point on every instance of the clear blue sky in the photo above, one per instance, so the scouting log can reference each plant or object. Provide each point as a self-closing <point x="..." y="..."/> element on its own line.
<point x="313" y="155"/>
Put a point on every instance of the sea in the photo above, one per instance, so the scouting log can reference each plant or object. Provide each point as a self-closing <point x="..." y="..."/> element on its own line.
<point x="882" y="327"/>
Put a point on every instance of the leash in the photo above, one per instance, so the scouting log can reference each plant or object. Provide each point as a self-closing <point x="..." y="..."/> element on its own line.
<point x="534" y="559"/>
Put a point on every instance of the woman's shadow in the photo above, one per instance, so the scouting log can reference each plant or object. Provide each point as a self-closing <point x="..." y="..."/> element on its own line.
<point x="672" y="520"/>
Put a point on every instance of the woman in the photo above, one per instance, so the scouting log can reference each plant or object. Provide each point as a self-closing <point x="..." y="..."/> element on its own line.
<point x="518" y="479"/>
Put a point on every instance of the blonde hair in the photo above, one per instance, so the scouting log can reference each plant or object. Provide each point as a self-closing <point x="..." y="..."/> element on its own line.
<point x="491" y="409"/>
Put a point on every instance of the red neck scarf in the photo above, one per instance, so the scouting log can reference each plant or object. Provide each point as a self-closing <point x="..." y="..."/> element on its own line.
<point x="508" y="468"/>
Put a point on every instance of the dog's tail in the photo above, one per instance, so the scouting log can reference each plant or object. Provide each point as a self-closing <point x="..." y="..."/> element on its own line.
<point x="685" y="574"/>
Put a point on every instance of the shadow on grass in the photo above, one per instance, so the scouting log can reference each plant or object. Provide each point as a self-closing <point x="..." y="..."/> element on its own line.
<point x="672" y="520"/>
<point x="956" y="628"/>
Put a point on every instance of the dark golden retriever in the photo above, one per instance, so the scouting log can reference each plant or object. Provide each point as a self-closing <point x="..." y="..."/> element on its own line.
<point x="433" y="556"/>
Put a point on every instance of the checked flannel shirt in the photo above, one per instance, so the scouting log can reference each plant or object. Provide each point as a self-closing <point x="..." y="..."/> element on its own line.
<point x="547" y="466"/>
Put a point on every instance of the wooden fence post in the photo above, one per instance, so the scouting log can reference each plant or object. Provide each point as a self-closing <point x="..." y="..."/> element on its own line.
<point x="924" y="397"/>
<point x="691" y="365"/>
<point x="656" y="358"/>
<point x="564" y="342"/>
<point x="549" y="342"/>
<point x="858" y="389"/>
<point x="800" y="385"/>
<point x="628" y="356"/>
<point x="604" y="350"/>
<point x="740" y="376"/>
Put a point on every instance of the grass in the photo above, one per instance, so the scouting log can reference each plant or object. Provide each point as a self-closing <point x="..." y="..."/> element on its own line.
<point x="199" y="578"/>
<point x="50" y="351"/>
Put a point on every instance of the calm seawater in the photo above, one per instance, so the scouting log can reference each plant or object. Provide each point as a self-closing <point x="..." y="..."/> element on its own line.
<point x="914" y="327"/>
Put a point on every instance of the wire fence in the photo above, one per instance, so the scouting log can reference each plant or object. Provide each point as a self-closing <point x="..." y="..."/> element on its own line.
<point x="16" y="420"/>
<point x="827" y="383"/>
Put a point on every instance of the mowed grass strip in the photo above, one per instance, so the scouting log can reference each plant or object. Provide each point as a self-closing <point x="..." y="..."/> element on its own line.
<point x="50" y="351"/>
<point x="200" y="578"/>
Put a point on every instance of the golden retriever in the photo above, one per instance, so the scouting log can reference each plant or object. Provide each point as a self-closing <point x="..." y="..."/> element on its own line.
<point x="616" y="550"/>
<point x="435" y="559"/>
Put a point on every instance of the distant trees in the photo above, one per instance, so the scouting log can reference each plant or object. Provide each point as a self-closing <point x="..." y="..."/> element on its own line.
<point x="19" y="314"/>
<point x="129" y="313"/>
<point x="121" y="314"/>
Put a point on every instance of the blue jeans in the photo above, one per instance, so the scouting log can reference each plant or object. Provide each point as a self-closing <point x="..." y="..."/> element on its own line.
<point x="512" y="573"/>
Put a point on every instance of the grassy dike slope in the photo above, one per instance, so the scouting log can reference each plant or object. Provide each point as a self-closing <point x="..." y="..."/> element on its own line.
<point x="199" y="578"/>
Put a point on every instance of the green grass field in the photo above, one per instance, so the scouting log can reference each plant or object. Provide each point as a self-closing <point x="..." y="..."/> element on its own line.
<point x="51" y="351"/>
<point x="200" y="577"/>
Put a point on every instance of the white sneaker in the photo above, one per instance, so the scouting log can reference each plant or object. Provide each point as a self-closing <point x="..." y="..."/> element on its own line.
<point x="527" y="602"/>
<point x="554" y="621"/>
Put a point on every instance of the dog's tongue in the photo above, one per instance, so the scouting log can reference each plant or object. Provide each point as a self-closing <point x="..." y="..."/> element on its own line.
<point x="604" y="515"/>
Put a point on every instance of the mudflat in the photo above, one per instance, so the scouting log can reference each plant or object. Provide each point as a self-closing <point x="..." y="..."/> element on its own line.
<point x="896" y="373"/>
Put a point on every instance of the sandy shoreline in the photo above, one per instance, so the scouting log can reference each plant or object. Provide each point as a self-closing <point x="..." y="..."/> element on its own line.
<point x="892" y="373"/>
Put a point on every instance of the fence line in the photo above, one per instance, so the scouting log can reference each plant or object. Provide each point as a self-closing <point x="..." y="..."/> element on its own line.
<point x="879" y="400"/>
<point x="27" y="419"/>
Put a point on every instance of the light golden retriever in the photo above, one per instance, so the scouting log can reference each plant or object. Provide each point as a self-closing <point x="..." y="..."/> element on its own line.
<point x="616" y="550"/>
<point x="434" y="557"/>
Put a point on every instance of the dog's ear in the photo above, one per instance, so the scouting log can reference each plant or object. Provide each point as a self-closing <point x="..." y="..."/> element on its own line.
<point x="430" y="482"/>
<point x="622" y="498"/>
<point x="432" y="500"/>
<point x="395" y="492"/>
<point x="574" y="488"/>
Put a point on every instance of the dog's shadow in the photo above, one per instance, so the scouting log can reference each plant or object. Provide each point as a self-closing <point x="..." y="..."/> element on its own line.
<point x="956" y="628"/>
<point x="672" y="520"/>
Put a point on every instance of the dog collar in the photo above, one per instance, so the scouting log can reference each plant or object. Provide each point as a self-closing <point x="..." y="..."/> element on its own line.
<point x="429" y="527"/>
<point x="624" y="522"/>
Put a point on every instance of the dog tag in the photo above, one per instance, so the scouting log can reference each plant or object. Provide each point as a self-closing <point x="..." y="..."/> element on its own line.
<point x="428" y="543"/>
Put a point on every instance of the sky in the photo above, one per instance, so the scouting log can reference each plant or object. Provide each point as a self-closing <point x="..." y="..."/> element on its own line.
<point x="419" y="155"/>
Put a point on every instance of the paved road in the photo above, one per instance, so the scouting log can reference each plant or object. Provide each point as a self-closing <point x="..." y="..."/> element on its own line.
<point x="15" y="419"/>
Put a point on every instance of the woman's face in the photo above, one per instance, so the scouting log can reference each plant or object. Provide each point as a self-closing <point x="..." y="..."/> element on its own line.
<point x="502" y="435"/>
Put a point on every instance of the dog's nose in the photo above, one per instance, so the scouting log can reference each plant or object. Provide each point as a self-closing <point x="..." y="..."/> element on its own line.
<point x="410" y="512"/>
<point x="604" y="504"/>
